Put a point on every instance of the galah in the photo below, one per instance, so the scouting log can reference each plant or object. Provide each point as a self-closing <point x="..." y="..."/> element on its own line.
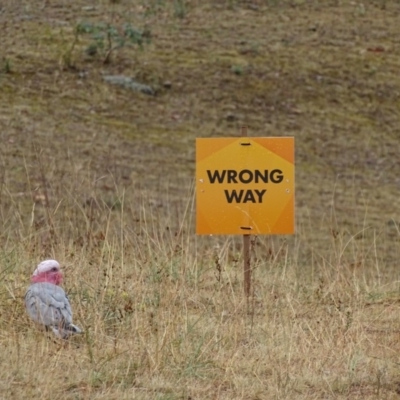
<point x="46" y="302"/>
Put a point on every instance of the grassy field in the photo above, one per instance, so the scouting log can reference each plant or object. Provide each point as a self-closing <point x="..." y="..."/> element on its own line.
<point x="101" y="178"/>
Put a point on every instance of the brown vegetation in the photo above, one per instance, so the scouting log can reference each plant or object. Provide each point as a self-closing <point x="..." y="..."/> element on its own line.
<point x="101" y="178"/>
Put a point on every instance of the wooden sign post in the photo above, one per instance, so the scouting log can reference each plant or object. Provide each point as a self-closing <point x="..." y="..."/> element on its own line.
<point x="246" y="250"/>
<point x="245" y="186"/>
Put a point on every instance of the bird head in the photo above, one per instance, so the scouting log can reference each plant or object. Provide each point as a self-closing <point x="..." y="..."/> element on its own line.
<point x="48" y="271"/>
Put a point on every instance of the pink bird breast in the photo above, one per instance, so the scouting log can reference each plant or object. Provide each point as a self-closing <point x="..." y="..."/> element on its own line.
<point x="53" y="276"/>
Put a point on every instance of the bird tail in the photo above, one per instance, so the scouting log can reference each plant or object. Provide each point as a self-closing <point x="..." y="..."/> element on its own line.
<point x="74" y="329"/>
<point x="66" y="331"/>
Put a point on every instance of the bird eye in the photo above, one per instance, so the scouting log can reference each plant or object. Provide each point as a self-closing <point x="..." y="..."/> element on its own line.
<point x="54" y="269"/>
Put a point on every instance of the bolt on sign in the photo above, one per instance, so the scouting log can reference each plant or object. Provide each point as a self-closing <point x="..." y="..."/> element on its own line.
<point x="245" y="185"/>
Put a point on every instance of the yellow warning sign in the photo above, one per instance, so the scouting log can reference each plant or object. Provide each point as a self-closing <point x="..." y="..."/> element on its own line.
<point x="245" y="185"/>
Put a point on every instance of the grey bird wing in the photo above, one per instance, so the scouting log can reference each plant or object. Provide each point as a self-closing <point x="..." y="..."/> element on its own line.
<point x="48" y="304"/>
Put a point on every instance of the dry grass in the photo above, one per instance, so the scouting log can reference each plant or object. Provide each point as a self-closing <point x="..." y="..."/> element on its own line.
<point x="102" y="180"/>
